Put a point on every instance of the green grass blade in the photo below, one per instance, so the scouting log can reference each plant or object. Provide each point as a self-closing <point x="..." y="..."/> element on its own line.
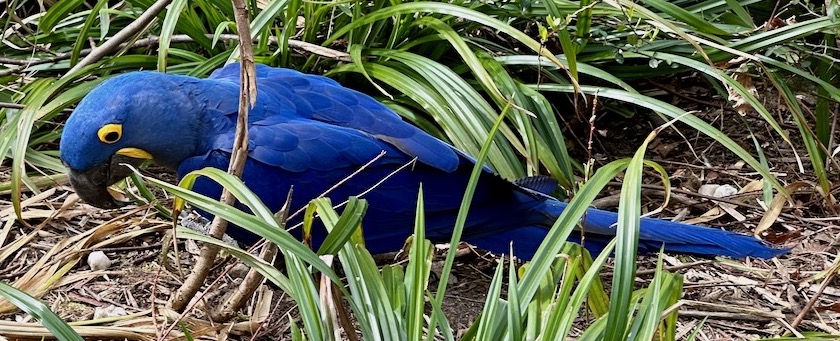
<point x="412" y="8"/>
<point x="262" y="223"/>
<point x="782" y="34"/>
<point x="368" y="292"/>
<point x="307" y="299"/>
<point x="471" y="60"/>
<point x="562" y="228"/>
<point x="685" y="17"/>
<point x="167" y="29"/>
<point x="267" y="270"/>
<point x="461" y="219"/>
<point x="492" y="315"/>
<point x="812" y="144"/>
<point x="627" y="236"/>
<point x="347" y="224"/>
<point x="461" y="98"/>
<point x="733" y="84"/>
<point x="564" y="316"/>
<point x="514" y="330"/>
<point x="83" y="32"/>
<point x="417" y="279"/>
<point x="741" y="12"/>
<point x="56" y="13"/>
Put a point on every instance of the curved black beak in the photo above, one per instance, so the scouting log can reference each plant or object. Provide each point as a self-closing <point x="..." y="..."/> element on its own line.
<point x="92" y="185"/>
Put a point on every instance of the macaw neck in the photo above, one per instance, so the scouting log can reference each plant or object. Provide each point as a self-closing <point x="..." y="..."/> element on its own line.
<point x="207" y="123"/>
<point x="184" y="125"/>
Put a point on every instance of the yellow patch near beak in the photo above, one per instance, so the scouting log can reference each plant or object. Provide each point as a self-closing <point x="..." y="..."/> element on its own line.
<point x="136" y="153"/>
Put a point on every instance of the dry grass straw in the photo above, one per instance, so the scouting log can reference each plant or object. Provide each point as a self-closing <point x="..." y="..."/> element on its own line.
<point x="141" y="326"/>
<point x="67" y="253"/>
<point x="57" y="267"/>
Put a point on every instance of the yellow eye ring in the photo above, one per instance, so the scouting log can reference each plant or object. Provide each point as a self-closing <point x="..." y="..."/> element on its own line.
<point x="110" y="133"/>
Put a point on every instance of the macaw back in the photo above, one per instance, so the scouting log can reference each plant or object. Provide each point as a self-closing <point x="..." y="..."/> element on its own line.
<point x="309" y="134"/>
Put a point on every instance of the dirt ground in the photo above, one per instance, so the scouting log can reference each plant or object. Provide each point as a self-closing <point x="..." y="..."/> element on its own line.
<point x="737" y="299"/>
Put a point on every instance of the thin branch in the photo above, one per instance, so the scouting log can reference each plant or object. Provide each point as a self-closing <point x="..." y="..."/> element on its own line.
<point x="123" y="35"/>
<point x="247" y="98"/>
<point x="807" y="308"/>
<point x="347" y="178"/>
<point x="12" y="61"/>
<point x="227" y="310"/>
<point x="300" y="46"/>
<point x="21" y="106"/>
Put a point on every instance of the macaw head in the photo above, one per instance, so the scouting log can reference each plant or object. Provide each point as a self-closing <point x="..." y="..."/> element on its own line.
<point x="126" y="120"/>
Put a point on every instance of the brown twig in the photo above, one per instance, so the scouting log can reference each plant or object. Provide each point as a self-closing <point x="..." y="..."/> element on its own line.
<point x="361" y="194"/>
<point x="252" y="280"/>
<point x="719" y="315"/>
<point x="201" y="299"/>
<point x="21" y="106"/>
<point x="347" y="178"/>
<point x="590" y="160"/>
<point x="729" y="200"/>
<point x="614" y="200"/>
<point x="247" y="97"/>
<point x="176" y="39"/>
<point x="675" y="267"/>
<point x="726" y="311"/>
<point x="805" y="310"/>
<point x="245" y="290"/>
<point x="125" y="34"/>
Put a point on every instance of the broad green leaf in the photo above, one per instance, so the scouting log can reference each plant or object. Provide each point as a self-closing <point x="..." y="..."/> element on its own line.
<point x="57" y="12"/>
<point x="83" y="32"/>
<point x="173" y="12"/>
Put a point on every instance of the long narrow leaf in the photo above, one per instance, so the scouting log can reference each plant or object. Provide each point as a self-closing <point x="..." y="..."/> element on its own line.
<point x="40" y="311"/>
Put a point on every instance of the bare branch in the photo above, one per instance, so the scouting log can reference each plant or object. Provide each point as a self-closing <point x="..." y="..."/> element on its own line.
<point x="247" y="97"/>
<point x="300" y="46"/>
<point x="123" y="35"/>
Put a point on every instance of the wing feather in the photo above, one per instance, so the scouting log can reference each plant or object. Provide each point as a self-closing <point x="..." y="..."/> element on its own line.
<point x="289" y="100"/>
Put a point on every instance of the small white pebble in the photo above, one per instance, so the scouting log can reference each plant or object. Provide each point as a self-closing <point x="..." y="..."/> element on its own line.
<point x="109" y="311"/>
<point x="725" y="191"/>
<point x="708" y="189"/>
<point x="97" y="260"/>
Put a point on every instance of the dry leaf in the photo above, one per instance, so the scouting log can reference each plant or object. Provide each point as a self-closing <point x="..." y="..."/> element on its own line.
<point x="776" y="207"/>
<point x="741" y="105"/>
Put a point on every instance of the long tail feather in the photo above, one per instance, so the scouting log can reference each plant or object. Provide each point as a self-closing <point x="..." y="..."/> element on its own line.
<point x="600" y="228"/>
<point x="677" y="237"/>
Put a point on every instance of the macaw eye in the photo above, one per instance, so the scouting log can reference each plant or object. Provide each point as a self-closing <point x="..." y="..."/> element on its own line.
<point x="110" y="133"/>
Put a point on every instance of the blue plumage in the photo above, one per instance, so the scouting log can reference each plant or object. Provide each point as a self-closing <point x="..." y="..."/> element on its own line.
<point x="309" y="132"/>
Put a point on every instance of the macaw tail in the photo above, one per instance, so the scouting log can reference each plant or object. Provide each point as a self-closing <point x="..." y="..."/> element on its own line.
<point x="599" y="229"/>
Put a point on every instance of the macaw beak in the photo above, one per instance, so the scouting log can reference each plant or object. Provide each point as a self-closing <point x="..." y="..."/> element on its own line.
<point x="92" y="185"/>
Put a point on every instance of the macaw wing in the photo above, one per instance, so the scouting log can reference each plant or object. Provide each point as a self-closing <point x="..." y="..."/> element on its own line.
<point x="286" y="95"/>
<point x="299" y="145"/>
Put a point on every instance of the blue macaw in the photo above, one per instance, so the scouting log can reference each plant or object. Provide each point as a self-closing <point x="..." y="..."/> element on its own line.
<point x="309" y="132"/>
